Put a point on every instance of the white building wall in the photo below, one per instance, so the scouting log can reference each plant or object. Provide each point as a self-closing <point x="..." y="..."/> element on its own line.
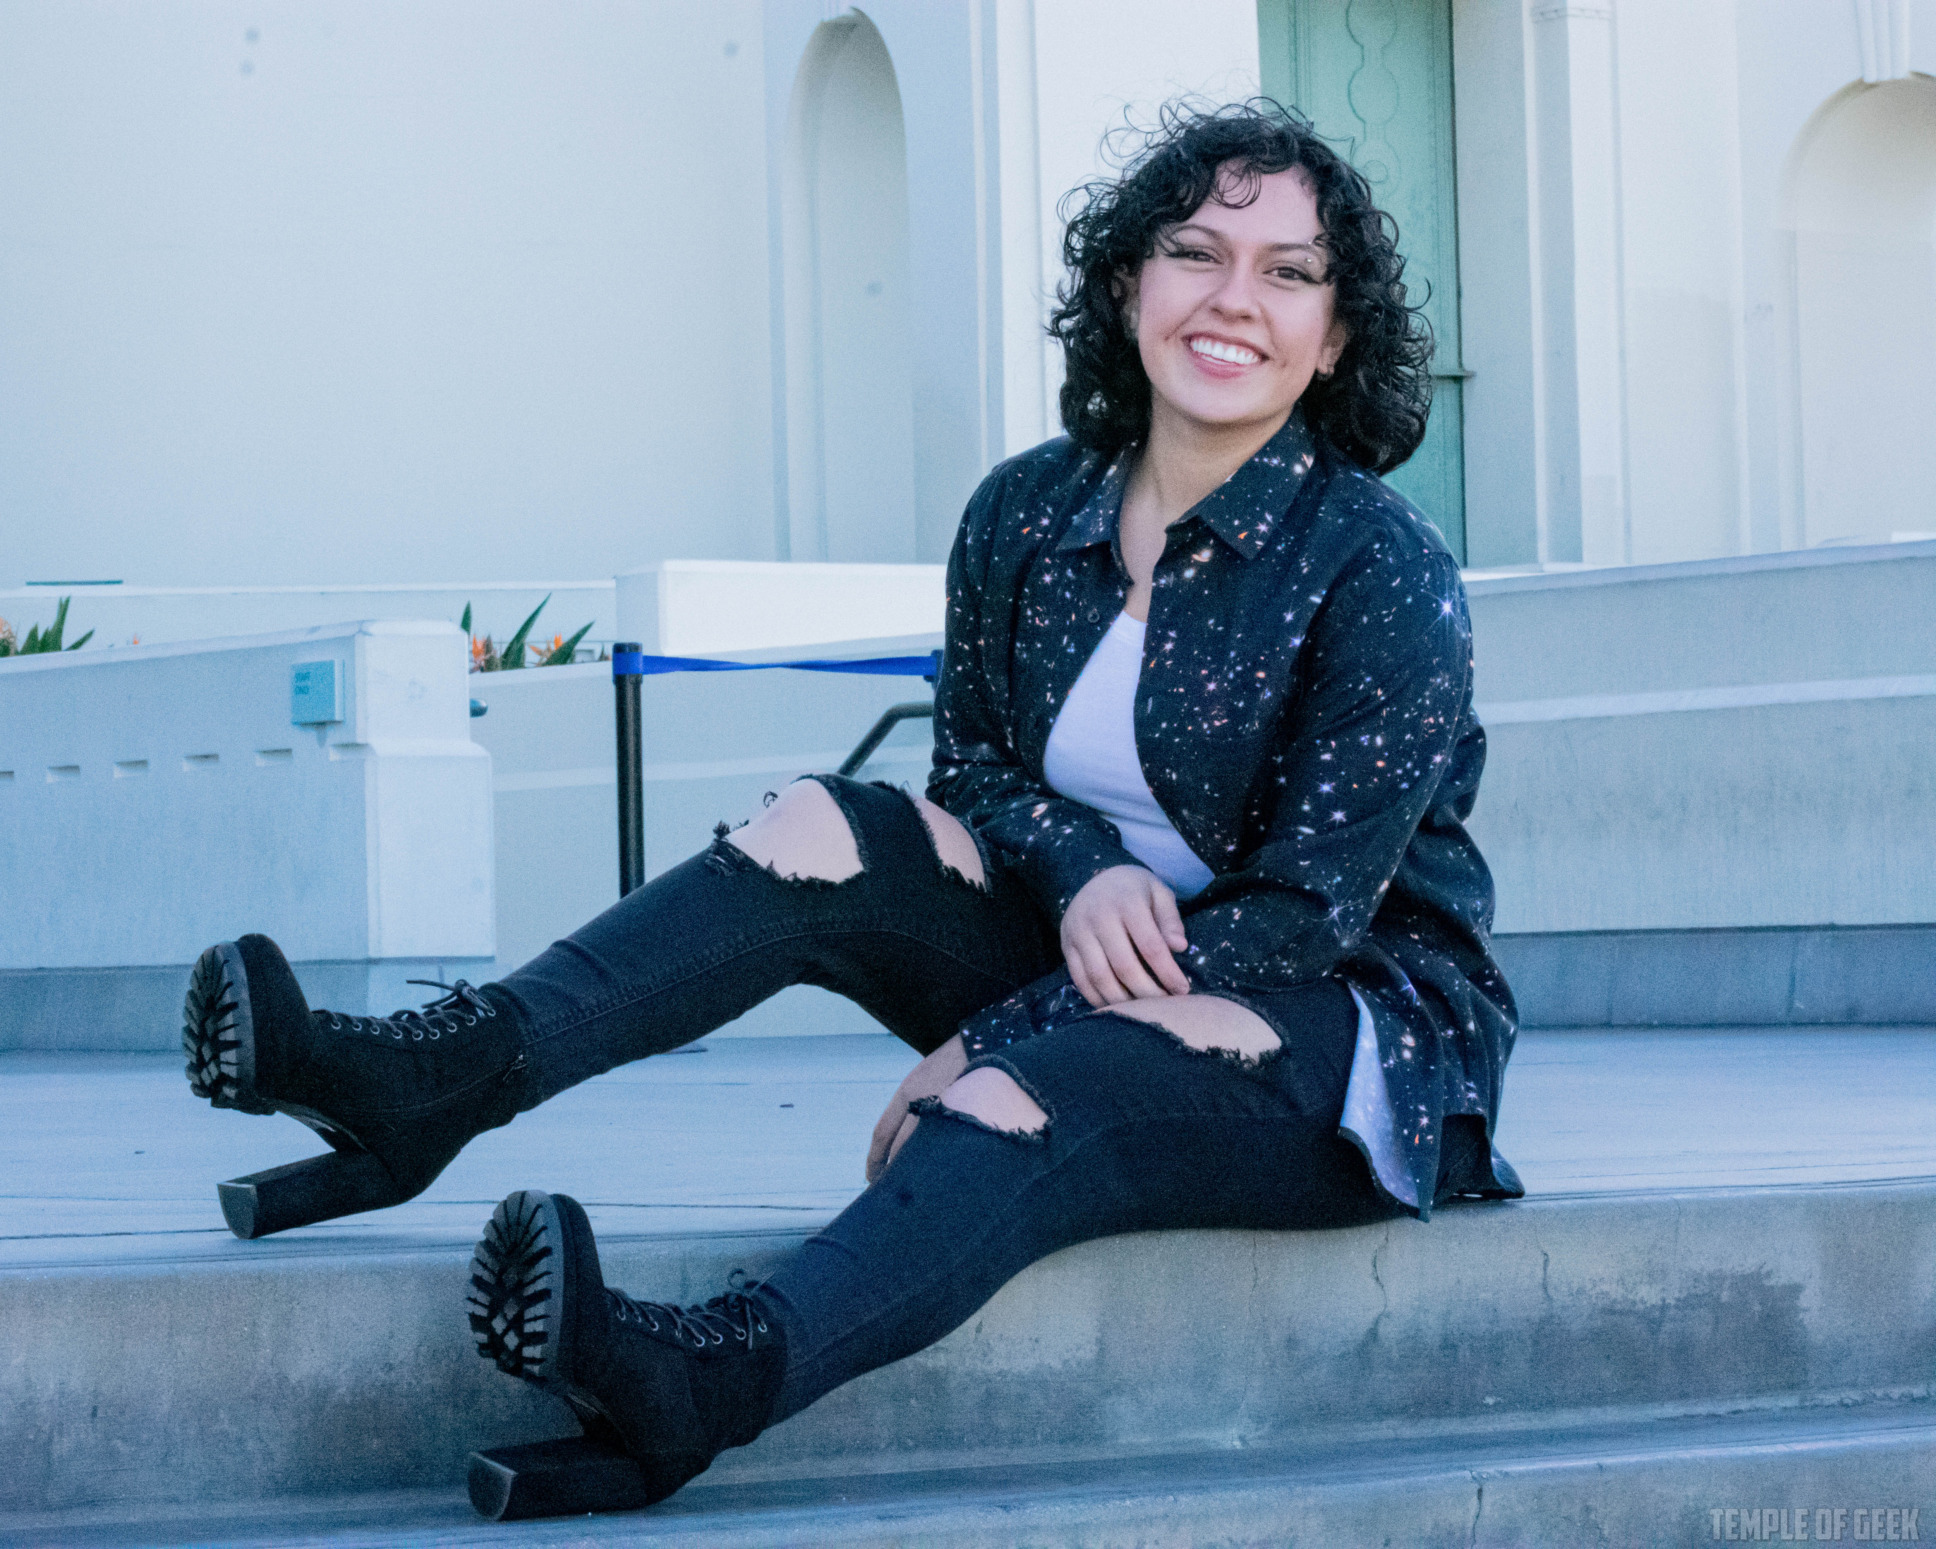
<point x="424" y="292"/>
<point x="1679" y="194"/>
<point x="1628" y="256"/>
<point x="374" y="291"/>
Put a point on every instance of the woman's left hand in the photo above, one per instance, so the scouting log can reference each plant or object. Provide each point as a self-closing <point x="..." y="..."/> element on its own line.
<point x="933" y="1076"/>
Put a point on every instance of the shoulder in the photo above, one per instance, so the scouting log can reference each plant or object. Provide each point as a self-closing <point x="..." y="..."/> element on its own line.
<point x="1381" y="526"/>
<point x="1393" y="570"/>
<point x="1020" y="492"/>
<point x="1056" y="468"/>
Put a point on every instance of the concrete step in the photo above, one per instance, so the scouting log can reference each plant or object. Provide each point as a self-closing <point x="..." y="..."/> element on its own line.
<point x="305" y="1373"/>
<point x="1751" y="1228"/>
<point x="1659" y="1480"/>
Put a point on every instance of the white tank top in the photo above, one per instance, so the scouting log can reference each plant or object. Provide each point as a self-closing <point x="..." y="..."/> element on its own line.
<point x="1091" y="758"/>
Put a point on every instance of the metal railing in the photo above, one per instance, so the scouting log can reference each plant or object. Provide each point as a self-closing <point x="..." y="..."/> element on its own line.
<point x="630" y="665"/>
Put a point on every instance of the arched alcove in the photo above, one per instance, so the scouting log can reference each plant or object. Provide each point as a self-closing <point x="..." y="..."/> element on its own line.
<point x="850" y="411"/>
<point x="1861" y="205"/>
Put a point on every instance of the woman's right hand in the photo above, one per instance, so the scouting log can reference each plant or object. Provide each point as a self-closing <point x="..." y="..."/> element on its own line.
<point x="1120" y="935"/>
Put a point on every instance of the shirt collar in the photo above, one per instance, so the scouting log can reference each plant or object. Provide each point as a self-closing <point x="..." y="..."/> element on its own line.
<point x="1244" y="510"/>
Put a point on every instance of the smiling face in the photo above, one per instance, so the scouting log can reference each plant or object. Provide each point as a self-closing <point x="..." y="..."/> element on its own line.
<point x="1233" y="314"/>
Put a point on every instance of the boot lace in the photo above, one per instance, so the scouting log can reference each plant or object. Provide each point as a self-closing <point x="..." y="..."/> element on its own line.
<point x="460" y="1005"/>
<point x="736" y="1316"/>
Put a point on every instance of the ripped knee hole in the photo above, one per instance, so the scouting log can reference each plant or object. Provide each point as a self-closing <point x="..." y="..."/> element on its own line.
<point x="953" y="844"/>
<point x="1208" y="1024"/>
<point x="801" y="836"/>
<point x="991" y="1099"/>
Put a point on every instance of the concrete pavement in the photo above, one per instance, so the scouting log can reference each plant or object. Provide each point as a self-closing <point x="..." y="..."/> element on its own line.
<point x="1721" y="1223"/>
<point x="107" y="1158"/>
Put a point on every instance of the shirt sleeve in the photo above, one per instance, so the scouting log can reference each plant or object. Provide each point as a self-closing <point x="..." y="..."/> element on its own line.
<point x="1053" y="845"/>
<point x="1384" y="685"/>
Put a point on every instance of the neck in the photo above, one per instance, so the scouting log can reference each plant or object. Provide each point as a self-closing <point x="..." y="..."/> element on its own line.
<point x="1184" y="459"/>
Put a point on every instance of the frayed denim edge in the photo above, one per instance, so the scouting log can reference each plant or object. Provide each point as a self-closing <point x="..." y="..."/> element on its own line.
<point x="921" y="1107"/>
<point x="1250" y="1064"/>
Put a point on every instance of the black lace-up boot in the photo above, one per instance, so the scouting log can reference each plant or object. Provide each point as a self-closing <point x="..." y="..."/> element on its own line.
<point x="660" y="1391"/>
<point x="396" y="1097"/>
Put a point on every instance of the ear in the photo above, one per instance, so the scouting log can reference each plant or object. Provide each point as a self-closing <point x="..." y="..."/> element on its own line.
<point x="1335" y="339"/>
<point x="1127" y="288"/>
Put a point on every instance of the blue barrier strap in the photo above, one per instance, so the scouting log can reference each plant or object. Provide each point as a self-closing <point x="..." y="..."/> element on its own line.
<point x="633" y="664"/>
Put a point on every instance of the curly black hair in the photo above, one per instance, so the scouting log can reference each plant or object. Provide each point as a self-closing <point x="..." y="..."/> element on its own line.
<point x="1372" y="407"/>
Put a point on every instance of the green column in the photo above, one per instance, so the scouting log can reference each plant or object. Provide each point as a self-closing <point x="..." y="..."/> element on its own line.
<point x="1375" y="77"/>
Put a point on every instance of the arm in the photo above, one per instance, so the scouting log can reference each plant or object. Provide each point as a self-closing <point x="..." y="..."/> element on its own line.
<point x="1387" y="671"/>
<point x="1055" y="846"/>
<point x="1118" y="921"/>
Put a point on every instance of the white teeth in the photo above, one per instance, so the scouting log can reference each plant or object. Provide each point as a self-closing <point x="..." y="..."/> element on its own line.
<point x="1234" y="354"/>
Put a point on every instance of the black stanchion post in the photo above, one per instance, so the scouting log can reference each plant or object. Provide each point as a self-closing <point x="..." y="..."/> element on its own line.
<point x="628" y="667"/>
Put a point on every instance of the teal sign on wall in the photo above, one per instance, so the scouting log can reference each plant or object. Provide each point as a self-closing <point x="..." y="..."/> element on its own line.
<point x="315" y="693"/>
<point x="1375" y="77"/>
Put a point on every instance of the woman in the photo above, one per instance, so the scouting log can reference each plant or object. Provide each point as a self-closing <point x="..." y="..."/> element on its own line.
<point x="1187" y="929"/>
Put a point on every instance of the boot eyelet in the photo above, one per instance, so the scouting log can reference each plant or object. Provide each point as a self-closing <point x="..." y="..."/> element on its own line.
<point x="417" y="1036"/>
<point x="397" y="1034"/>
<point x="433" y="1035"/>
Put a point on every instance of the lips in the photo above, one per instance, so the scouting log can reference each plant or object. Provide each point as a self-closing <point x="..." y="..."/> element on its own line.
<point x="1224" y="351"/>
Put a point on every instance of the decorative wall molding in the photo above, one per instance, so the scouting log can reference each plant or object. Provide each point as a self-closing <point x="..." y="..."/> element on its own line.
<point x="1576" y="10"/>
<point x="1373" y="90"/>
<point x="1883" y="28"/>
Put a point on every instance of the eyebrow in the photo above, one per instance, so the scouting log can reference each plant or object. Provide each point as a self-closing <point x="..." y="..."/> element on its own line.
<point x="1275" y="247"/>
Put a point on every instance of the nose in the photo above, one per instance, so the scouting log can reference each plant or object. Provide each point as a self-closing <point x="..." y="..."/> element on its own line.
<point x="1237" y="295"/>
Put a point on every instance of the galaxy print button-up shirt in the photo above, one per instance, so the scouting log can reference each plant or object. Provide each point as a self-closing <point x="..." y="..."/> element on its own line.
<point x="1304" y="718"/>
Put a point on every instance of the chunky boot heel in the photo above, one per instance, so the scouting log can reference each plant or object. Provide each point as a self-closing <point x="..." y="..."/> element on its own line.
<point x="396" y="1097"/>
<point x="669" y="1387"/>
<point x="337" y="1183"/>
<point x="562" y="1478"/>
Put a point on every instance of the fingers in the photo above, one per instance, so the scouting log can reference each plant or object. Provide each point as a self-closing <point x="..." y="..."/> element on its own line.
<point x="883" y="1136"/>
<point x="908" y="1126"/>
<point x="1098" y="983"/>
<point x="1120" y="938"/>
<point x="1079" y="977"/>
<point x="1168" y="920"/>
<point x="1146" y="935"/>
<point x="1124" y="961"/>
<point x="931" y="1076"/>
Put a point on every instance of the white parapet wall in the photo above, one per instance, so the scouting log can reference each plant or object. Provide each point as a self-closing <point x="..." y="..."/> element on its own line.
<point x="157" y="799"/>
<point x="710" y="607"/>
<point x="1710" y="796"/>
<point x="157" y="615"/>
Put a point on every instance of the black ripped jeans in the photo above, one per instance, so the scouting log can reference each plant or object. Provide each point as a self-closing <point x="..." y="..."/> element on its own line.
<point x="1143" y="1133"/>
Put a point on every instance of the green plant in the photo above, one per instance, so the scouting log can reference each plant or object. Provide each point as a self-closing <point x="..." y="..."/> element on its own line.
<point x="39" y="640"/>
<point x="517" y="652"/>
